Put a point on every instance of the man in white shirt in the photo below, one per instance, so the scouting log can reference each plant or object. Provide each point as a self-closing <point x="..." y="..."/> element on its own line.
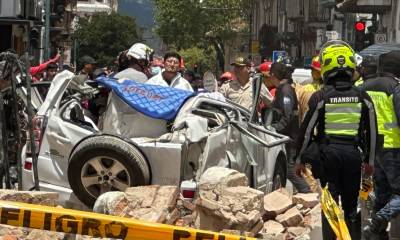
<point x="170" y="76"/>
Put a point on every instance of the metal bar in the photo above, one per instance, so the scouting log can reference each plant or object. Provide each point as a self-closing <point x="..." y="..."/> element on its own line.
<point x="256" y="138"/>
<point x="264" y="130"/>
<point x="18" y="127"/>
<point x="4" y="138"/>
<point x="30" y="127"/>
<point x="47" y="31"/>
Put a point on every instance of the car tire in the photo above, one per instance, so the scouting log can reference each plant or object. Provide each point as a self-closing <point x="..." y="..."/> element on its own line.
<point x="279" y="178"/>
<point x="116" y="164"/>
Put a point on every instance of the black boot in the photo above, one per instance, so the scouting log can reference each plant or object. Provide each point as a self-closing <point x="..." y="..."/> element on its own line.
<point x="376" y="230"/>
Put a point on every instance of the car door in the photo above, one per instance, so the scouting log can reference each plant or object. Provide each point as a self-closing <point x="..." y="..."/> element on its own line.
<point x="60" y="134"/>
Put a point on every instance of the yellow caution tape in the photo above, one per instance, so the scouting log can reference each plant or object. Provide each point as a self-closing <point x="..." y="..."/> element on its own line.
<point x="98" y="225"/>
<point x="334" y="215"/>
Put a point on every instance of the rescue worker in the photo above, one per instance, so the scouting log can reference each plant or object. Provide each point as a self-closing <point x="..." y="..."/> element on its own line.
<point x="137" y="59"/>
<point x="285" y="117"/>
<point x="343" y="117"/>
<point x="304" y="92"/>
<point x="385" y="93"/>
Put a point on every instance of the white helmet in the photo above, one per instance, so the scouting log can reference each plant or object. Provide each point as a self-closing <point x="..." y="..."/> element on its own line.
<point x="140" y="51"/>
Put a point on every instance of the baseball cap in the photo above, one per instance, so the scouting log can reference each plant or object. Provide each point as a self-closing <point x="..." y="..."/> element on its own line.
<point x="87" y="60"/>
<point x="241" y="62"/>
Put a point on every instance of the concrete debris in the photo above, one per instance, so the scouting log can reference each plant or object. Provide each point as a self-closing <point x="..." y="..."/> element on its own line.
<point x="313" y="217"/>
<point x="297" y="231"/>
<point x="220" y="177"/>
<point x="308" y="200"/>
<point x="44" y="235"/>
<point x="108" y="202"/>
<point x="150" y="203"/>
<point x="41" y="198"/>
<point x="265" y="236"/>
<point x="230" y="231"/>
<point x="237" y="208"/>
<point x="273" y="228"/>
<point x="290" y="218"/>
<point x="276" y="203"/>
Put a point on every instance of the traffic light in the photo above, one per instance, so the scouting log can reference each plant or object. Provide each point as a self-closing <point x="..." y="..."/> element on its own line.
<point x="34" y="37"/>
<point x="360" y="36"/>
<point x="58" y="10"/>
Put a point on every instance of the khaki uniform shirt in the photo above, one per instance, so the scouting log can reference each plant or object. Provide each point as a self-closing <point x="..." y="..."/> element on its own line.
<point x="243" y="95"/>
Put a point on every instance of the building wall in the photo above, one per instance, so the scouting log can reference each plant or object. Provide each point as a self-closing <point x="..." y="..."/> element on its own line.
<point x="300" y="21"/>
<point x="391" y="23"/>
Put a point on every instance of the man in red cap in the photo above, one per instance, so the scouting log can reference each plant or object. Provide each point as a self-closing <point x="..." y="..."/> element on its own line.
<point x="225" y="77"/>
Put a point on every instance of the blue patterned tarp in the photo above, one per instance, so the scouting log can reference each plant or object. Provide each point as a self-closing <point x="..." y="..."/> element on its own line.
<point x="154" y="101"/>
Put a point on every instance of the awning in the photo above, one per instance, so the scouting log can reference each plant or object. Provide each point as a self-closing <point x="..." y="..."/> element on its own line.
<point x="364" y="6"/>
<point x="378" y="49"/>
<point x="93" y="7"/>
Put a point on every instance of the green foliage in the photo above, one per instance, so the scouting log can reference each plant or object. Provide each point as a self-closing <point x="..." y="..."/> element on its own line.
<point x="204" y="59"/>
<point x="103" y="36"/>
<point x="184" y="23"/>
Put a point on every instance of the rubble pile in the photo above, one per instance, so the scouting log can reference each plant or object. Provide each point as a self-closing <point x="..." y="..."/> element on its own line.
<point x="225" y="203"/>
<point x="290" y="217"/>
<point x="8" y="232"/>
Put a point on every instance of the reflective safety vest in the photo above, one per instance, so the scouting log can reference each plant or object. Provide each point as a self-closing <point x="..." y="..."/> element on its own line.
<point x="386" y="119"/>
<point x="342" y="118"/>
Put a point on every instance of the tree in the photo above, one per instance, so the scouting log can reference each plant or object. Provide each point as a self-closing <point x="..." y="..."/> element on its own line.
<point x="203" y="58"/>
<point x="103" y="36"/>
<point x="185" y="23"/>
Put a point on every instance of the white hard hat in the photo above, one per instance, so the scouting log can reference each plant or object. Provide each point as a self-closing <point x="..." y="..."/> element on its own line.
<point x="140" y="51"/>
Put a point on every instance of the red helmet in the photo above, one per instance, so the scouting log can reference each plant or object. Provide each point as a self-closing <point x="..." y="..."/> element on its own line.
<point x="226" y="75"/>
<point x="315" y="63"/>
<point x="265" y="67"/>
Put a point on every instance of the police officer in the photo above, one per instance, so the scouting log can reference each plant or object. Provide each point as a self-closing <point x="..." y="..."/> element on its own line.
<point x="384" y="91"/>
<point x="285" y="117"/>
<point x="343" y="117"/>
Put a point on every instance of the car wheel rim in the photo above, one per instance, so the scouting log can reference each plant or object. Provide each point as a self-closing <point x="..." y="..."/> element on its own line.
<point x="102" y="174"/>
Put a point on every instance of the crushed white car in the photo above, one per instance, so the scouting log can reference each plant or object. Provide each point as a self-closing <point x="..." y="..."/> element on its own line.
<point x="80" y="161"/>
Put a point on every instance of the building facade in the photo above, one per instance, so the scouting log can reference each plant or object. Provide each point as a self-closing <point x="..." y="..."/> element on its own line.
<point x="300" y="27"/>
<point x="15" y="17"/>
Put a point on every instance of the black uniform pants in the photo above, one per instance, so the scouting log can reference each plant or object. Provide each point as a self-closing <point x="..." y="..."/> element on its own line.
<point x="342" y="167"/>
<point x="387" y="183"/>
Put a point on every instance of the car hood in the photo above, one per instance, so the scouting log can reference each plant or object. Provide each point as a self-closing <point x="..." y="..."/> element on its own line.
<point x="56" y="90"/>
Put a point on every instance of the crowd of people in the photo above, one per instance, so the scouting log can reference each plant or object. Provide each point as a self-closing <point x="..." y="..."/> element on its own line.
<point x="341" y="124"/>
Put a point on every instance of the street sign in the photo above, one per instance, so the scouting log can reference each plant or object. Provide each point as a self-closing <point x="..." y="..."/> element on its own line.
<point x="380" y="38"/>
<point x="278" y="56"/>
<point x="332" y="35"/>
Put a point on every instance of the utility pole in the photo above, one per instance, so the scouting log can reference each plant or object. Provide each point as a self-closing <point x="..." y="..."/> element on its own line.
<point x="47" y="30"/>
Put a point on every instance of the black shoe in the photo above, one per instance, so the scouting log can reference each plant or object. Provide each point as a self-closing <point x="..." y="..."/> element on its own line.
<point x="376" y="230"/>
